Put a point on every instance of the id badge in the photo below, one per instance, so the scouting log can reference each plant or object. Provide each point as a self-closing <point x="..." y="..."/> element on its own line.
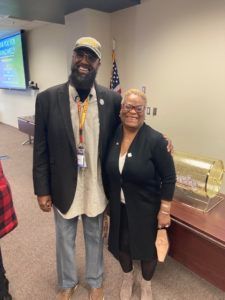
<point x="81" y="161"/>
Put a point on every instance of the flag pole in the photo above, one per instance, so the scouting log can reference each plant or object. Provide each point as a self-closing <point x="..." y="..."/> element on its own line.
<point x="113" y="49"/>
<point x="114" y="82"/>
<point x="113" y="44"/>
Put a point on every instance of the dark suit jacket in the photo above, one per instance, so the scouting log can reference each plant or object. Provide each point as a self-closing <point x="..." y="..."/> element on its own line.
<point x="55" y="159"/>
<point x="148" y="176"/>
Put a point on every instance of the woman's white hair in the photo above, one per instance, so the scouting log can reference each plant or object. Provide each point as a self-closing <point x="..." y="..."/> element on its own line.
<point x="134" y="92"/>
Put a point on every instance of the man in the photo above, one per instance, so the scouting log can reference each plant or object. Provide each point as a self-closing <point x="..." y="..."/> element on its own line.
<point x="74" y="123"/>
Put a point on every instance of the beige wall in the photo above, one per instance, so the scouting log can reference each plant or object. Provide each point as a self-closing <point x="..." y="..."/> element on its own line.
<point x="177" y="50"/>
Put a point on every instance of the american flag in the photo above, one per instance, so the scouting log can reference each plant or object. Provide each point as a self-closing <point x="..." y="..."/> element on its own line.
<point x="115" y="81"/>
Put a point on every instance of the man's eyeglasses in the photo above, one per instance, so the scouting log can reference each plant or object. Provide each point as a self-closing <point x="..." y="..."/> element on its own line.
<point x="91" y="57"/>
<point x="128" y="107"/>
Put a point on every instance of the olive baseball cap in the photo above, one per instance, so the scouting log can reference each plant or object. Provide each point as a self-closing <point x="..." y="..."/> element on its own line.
<point x="90" y="43"/>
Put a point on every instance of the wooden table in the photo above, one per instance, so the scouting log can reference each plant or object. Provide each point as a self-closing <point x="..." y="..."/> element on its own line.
<point x="26" y="125"/>
<point x="197" y="240"/>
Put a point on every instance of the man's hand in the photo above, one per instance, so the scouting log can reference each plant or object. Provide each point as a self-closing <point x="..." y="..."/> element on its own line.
<point x="45" y="203"/>
<point x="169" y="145"/>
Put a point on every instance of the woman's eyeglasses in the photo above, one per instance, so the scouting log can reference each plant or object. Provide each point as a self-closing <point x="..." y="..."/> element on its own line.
<point x="128" y="107"/>
<point x="91" y="57"/>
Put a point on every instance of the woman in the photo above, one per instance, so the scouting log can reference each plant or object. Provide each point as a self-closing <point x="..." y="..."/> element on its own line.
<point x="8" y="222"/>
<point x="141" y="181"/>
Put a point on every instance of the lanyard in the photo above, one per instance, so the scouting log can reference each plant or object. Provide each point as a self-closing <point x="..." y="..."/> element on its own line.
<point x="82" y="111"/>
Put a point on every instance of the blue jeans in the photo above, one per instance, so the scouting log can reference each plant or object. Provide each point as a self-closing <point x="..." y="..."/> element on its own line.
<point x="66" y="230"/>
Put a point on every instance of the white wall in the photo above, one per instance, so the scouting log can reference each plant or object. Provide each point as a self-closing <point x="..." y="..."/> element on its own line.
<point x="88" y="22"/>
<point x="50" y="51"/>
<point x="47" y="53"/>
<point x="14" y="104"/>
<point x="47" y="65"/>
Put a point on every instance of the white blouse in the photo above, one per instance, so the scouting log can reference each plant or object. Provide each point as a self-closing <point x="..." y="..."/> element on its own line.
<point x="122" y="159"/>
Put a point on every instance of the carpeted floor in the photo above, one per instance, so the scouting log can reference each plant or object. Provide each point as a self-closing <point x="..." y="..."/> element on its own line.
<point x="29" y="251"/>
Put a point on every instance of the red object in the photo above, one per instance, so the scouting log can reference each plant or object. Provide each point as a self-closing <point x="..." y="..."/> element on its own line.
<point x="8" y="220"/>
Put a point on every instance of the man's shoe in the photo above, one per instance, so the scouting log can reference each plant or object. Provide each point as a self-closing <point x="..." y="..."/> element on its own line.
<point x="96" y="294"/>
<point x="66" y="294"/>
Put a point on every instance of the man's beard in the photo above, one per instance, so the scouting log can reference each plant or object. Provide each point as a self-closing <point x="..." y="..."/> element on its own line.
<point x="83" y="82"/>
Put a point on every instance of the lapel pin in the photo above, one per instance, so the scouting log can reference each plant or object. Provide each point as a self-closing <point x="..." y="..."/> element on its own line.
<point x="117" y="143"/>
<point x="101" y="101"/>
<point x="129" y="154"/>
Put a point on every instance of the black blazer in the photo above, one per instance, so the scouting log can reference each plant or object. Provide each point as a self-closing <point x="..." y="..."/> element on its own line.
<point x="148" y="176"/>
<point x="55" y="159"/>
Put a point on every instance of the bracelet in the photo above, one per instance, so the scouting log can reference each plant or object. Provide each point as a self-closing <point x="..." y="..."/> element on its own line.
<point x="164" y="212"/>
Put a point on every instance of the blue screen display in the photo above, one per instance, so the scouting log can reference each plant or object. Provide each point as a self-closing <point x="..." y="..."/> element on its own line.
<point x="12" y="67"/>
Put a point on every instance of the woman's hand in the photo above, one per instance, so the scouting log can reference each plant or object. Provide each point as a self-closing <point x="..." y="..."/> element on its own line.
<point x="164" y="220"/>
<point x="163" y="217"/>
